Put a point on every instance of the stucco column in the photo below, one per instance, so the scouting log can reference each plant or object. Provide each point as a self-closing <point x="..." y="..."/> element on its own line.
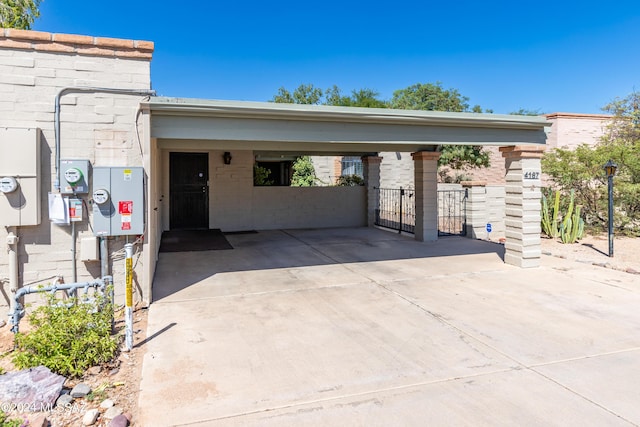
<point x="477" y="208"/>
<point x="522" y="205"/>
<point x="426" y="181"/>
<point x="371" y="172"/>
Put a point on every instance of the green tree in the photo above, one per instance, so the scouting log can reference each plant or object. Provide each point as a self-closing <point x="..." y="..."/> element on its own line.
<point x="304" y="174"/>
<point x="359" y="98"/>
<point x="582" y="169"/>
<point x="303" y="94"/>
<point x="19" y="13"/>
<point x="526" y="112"/>
<point x="434" y="97"/>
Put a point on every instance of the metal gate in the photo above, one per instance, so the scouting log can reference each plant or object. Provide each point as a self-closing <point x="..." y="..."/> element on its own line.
<point x="452" y="212"/>
<point x="396" y="209"/>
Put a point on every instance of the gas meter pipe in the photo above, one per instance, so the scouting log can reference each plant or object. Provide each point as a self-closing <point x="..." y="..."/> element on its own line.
<point x="128" y="308"/>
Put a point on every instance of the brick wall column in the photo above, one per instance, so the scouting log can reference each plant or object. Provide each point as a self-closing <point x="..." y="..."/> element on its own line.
<point x="426" y="194"/>
<point x="522" y="205"/>
<point x="371" y="172"/>
<point x="477" y="209"/>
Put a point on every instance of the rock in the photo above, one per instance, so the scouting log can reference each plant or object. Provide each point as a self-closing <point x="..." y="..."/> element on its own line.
<point x="2" y="323"/>
<point x="107" y="403"/>
<point x="37" y="387"/>
<point x="94" y="370"/>
<point x="39" y="421"/>
<point x="114" y="371"/>
<point x="80" y="390"/>
<point x="90" y="417"/>
<point x="128" y="415"/>
<point x="112" y="412"/>
<point x="119" y="421"/>
<point x="632" y="271"/>
<point x="64" y="400"/>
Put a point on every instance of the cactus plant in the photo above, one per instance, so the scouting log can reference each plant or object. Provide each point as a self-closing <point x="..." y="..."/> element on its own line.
<point x="550" y="221"/>
<point x="569" y="226"/>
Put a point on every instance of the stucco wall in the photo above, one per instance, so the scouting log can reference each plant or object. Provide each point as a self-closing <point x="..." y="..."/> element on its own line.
<point x="98" y="127"/>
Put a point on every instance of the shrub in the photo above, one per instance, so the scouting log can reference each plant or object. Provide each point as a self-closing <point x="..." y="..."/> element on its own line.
<point x="68" y="336"/>
<point x="349" y="181"/>
<point x="304" y="174"/>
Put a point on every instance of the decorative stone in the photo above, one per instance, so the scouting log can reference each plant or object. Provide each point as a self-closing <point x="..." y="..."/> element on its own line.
<point x="94" y="370"/>
<point x="64" y="400"/>
<point x="107" y="403"/>
<point x="39" y="421"/>
<point x="128" y="415"/>
<point x="90" y="417"/>
<point x="80" y="390"/>
<point x="119" y="421"/>
<point x="37" y="387"/>
<point x="112" y="412"/>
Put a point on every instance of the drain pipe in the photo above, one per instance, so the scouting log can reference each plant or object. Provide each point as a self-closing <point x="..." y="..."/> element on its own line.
<point x="56" y="117"/>
<point x="18" y="309"/>
<point x="12" y="248"/>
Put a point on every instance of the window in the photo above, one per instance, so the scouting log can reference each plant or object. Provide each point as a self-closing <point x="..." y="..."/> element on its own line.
<point x="351" y="165"/>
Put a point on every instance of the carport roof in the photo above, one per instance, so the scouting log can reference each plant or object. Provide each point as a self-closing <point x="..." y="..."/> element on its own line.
<point x="274" y="126"/>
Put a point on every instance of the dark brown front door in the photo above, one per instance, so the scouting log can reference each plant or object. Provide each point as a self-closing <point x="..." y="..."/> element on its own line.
<point x="189" y="177"/>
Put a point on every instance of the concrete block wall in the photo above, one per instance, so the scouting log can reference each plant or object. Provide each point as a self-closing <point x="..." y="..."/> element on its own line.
<point x="496" y="210"/>
<point x="230" y="191"/>
<point x="237" y="205"/>
<point x="308" y="207"/>
<point x="396" y="170"/>
<point x="99" y="127"/>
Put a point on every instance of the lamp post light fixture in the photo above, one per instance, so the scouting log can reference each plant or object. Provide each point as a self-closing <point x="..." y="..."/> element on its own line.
<point x="610" y="168"/>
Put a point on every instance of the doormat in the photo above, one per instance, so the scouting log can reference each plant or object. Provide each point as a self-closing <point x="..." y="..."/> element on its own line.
<point x="193" y="241"/>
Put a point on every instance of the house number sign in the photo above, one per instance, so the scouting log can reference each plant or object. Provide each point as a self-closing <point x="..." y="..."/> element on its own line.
<point x="532" y="175"/>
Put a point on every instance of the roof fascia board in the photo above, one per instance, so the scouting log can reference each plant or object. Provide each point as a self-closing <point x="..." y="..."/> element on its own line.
<point x="274" y="111"/>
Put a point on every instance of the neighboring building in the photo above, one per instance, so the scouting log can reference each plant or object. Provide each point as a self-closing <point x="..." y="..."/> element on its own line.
<point x="133" y="165"/>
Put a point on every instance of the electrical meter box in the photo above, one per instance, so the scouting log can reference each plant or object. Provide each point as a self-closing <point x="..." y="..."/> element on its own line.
<point x="118" y="201"/>
<point x="74" y="176"/>
<point x="20" y="197"/>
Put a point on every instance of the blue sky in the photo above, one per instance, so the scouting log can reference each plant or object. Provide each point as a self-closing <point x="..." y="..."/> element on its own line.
<point x="504" y="55"/>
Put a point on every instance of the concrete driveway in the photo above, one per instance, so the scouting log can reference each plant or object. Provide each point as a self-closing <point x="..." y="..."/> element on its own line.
<point x="362" y="327"/>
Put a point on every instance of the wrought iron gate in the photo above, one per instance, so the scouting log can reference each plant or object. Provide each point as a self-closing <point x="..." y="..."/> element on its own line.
<point x="396" y="209"/>
<point x="452" y="212"/>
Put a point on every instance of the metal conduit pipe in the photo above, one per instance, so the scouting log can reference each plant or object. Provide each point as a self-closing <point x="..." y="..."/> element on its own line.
<point x="12" y="246"/>
<point x="56" y="117"/>
<point x="18" y="310"/>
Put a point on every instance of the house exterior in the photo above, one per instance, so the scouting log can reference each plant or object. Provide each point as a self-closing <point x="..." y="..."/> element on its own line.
<point x="85" y="105"/>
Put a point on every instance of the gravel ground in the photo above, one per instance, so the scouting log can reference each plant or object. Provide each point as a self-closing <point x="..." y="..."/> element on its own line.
<point x="595" y="250"/>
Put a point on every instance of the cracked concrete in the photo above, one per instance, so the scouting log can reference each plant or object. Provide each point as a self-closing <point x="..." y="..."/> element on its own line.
<point x="365" y="327"/>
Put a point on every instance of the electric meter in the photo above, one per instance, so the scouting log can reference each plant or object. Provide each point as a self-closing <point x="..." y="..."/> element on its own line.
<point x="100" y="196"/>
<point x="8" y="184"/>
<point x="73" y="175"/>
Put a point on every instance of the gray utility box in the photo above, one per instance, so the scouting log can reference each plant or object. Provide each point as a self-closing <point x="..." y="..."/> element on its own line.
<point x="19" y="177"/>
<point x="74" y="176"/>
<point x="118" y="201"/>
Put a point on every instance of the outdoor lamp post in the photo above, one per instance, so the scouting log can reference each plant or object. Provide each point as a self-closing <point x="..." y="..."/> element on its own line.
<point x="610" y="168"/>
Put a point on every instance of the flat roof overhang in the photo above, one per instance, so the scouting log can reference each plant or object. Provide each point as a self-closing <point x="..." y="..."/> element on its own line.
<point x="239" y="125"/>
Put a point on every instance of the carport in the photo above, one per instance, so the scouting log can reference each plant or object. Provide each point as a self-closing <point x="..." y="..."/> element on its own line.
<point x="204" y="132"/>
